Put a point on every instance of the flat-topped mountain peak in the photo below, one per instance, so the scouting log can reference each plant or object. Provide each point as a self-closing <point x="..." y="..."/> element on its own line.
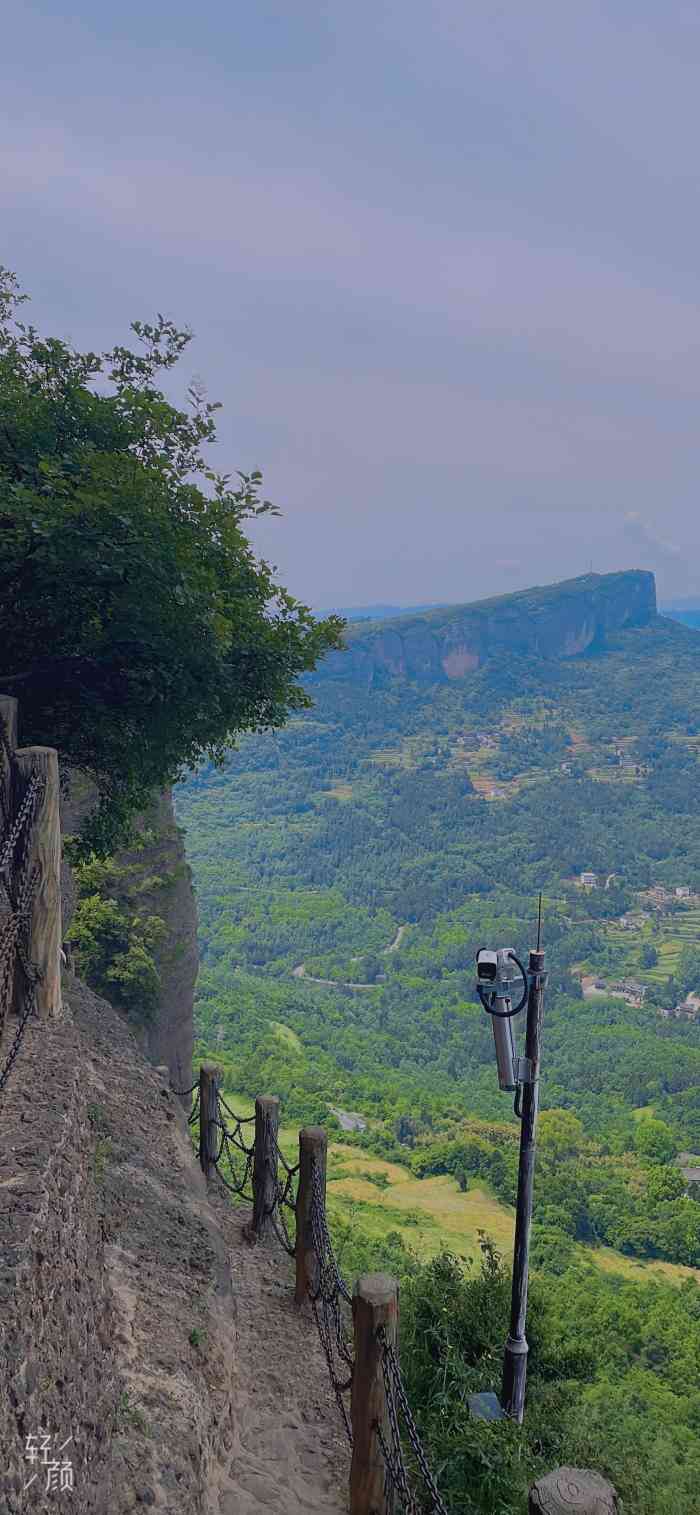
<point x="553" y="621"/>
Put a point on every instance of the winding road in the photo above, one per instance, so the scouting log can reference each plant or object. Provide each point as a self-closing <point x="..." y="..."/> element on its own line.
<point x="334" y="983"/>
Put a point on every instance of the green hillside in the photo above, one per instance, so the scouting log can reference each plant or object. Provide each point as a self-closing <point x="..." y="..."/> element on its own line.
<point x="347" y="868"/>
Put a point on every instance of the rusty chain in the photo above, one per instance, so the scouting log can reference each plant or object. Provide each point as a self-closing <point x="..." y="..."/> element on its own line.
<point x="395" y="1471"/>
<point x="183" y="1093"/>
<point x="284" y="1198"/>
<point x="30" y="1006"/>
<point x="18" y="886"/>
<point x="235" y="1139"/>
<point x="328" y="1297"/>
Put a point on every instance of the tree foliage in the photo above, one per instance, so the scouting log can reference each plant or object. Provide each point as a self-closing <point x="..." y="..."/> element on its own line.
<point x="136" y="624"/>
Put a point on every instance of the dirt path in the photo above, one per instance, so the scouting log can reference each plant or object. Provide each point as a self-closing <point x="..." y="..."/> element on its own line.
<point x="393" y="946"/>
<point x="288" y="1452"/>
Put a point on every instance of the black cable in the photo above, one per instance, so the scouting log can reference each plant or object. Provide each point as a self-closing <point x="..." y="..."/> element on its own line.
<point x="504" y="1015"/>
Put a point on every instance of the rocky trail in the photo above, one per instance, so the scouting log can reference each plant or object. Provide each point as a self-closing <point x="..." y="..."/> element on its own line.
<point x="288" y="1454"/>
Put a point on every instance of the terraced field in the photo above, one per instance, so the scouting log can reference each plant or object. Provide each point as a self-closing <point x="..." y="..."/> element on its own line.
<point x="431" y="1214"/>
<point x="669" y="936"/>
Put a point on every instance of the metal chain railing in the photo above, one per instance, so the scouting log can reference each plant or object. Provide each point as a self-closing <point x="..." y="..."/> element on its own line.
<point x="241" y="1186"/>
<point x="330" y="1299"/>
<point x="396" y="1476"/>
<point x="18" y="886"/>
<point x="285" y="1200"/>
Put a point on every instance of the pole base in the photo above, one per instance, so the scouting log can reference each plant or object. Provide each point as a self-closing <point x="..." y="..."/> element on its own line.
<point x="514" y="1377"/>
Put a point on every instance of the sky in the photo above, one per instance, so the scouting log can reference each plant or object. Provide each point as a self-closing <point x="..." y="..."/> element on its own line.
<point x="441" y="261"/>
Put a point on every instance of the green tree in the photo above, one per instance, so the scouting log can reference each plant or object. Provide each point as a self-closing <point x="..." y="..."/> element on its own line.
<point x="654" y="1141"/>
<point x="560" y="1134"/>
<point x="665" y="1182"/>
<point x="136" y="624"/>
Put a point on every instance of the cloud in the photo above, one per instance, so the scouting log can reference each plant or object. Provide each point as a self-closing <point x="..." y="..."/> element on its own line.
<point x="643" y="534"/>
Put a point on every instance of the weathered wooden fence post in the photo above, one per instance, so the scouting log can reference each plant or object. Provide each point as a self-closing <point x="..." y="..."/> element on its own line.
<point x="267" y="1120"/>
<point x="572" y="1491"/>
<point x="375" y="1303"/>
<point x="209" y="1080"/>
<point x="44" y="854"/>
<point x="8" y="716"/>
<point x="313" y="1148"/>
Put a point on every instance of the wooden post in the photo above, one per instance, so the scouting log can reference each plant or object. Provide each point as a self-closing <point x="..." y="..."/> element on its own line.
<point x="209" y="1080"/>
<point x="8" y="715"/>
<point x="313" y="1148"/>
<point x="267" y="1120"/>
<point x="375" y="1303"/>
<point x="45" y="934"/>
<point x="572" y="1491"/>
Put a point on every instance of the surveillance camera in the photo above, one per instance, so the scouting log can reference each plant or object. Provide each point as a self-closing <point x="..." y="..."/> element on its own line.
<point x="496" y="976"/>
<point x="487" y="965"/>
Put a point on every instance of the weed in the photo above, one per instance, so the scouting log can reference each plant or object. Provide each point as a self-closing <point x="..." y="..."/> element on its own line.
<point x="129" y="1414"/>
<point x="97" y="1117"/>
<point x="379" y="1179"/>
<point x="103" y="1150"/>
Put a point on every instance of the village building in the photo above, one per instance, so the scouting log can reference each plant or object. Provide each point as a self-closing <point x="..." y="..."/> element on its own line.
<point x="689" y="1164"/>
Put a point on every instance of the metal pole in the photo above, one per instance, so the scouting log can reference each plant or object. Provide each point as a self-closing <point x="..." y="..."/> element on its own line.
<point x="515" y="1357"/>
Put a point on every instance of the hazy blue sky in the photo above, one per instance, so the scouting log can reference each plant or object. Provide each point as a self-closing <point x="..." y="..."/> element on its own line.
<point x="441" y="259"/>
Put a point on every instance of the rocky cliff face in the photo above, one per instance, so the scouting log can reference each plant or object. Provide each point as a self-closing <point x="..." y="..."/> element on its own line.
<point x="168" y="1036"/>
<point x="159" y="883"/>
<point x="560" y="621"/>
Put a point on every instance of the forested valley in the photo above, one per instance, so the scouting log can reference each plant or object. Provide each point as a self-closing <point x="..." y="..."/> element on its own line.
<point x="347" y="869"/>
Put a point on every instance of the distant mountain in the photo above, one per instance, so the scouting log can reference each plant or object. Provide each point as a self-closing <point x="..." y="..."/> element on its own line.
<point x="444" y="643"/>
<point x="685" y="611"/>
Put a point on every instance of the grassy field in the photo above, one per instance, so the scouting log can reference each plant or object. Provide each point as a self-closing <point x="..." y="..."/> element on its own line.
<point x="339" y="791"/>
<point x="431" y="1214"/>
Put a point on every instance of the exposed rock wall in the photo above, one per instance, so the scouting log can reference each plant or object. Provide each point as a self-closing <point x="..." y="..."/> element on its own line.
<point x="560" y="621"/>
<point x="168" y="1036"/>
<point x="160" y="884"/>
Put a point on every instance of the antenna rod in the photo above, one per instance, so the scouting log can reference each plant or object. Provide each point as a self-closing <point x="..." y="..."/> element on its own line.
<point x="539" y="922"/>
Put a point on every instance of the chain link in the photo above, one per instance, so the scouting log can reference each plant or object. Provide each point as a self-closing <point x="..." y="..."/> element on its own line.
<point x="30" y="1005"/>
<point x="284" y="1198"/>
<point x="23" y="815"/>
<point x="328" y="1297"/>
<point x="18" y="886"/>
<point x="394" y="1460"/>
<point x="239" y="1186"/>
